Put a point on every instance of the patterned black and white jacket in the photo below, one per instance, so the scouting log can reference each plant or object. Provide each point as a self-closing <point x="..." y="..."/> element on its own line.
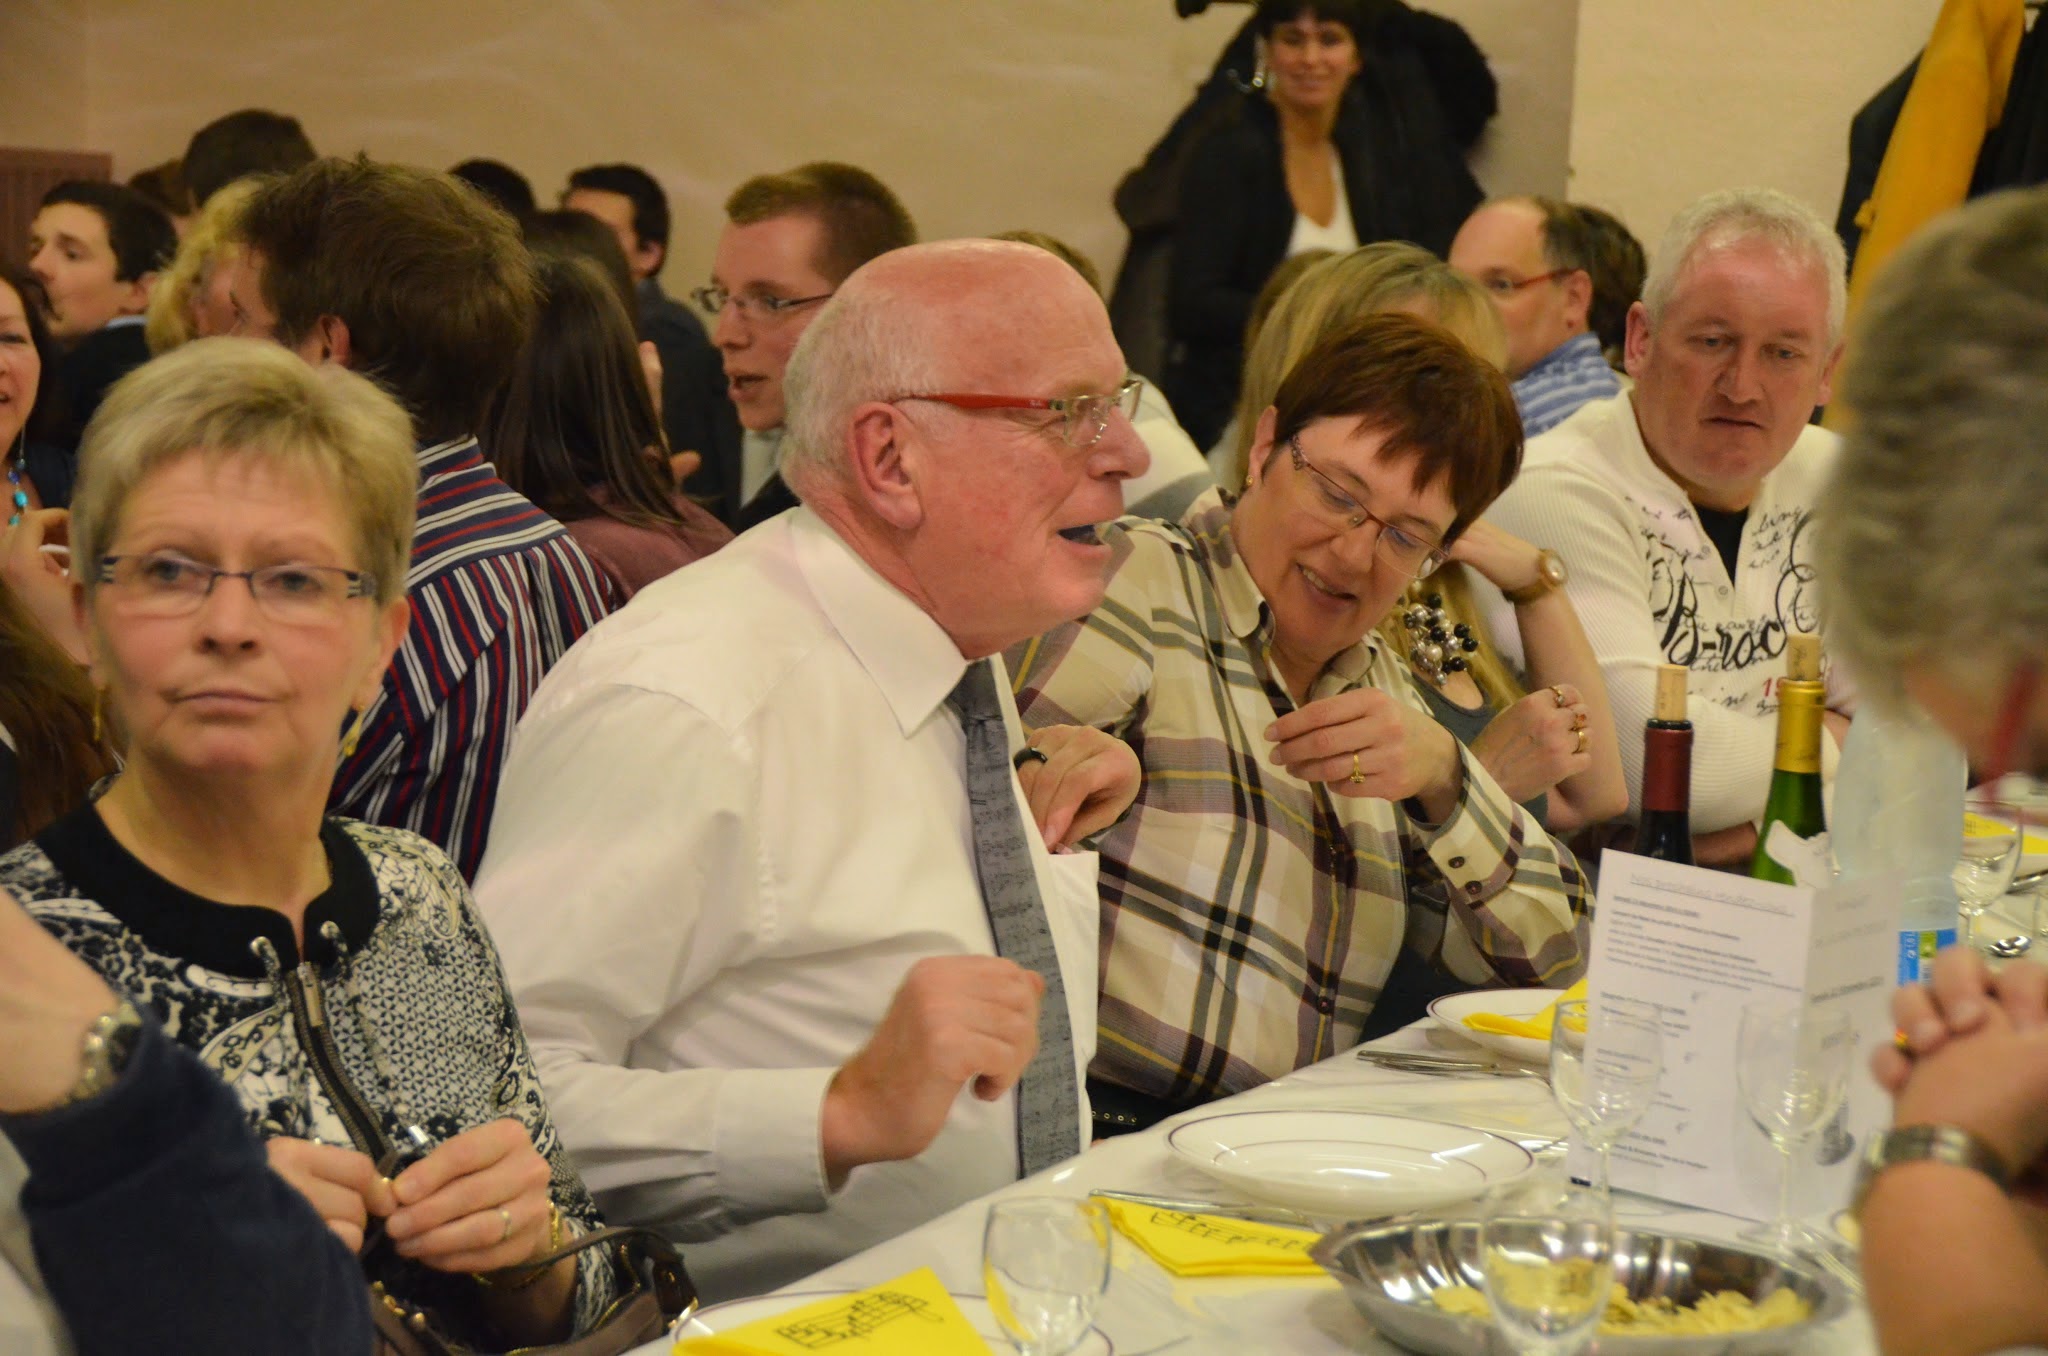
<point x="396" y="1019"/>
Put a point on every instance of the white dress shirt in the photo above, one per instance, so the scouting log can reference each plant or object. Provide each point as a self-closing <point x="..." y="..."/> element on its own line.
<point x="1650" y="588"/>
<point x="734" y="816"/>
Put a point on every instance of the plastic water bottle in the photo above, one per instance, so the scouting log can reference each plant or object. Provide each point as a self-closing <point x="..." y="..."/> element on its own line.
<point x="1898" y="814"/>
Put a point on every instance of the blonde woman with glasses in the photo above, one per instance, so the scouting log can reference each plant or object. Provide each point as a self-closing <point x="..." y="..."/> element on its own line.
<point x="240" y="536"/>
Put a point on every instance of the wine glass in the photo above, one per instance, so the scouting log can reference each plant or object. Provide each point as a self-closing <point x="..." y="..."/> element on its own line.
<point x="1045" y="1263"/>
<point x="1546" y="1254"/>
<point x="1993" y="843"/>
<point x="1792" y="1064"/>
<point x="1605" y="1060"/>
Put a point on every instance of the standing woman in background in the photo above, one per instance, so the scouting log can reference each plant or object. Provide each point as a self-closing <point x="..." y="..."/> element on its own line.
<point x="1323" y="161"/>
<point x="576" y="432"/>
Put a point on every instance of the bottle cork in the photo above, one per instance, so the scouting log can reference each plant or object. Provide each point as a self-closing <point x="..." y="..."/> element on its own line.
<point x="1670" y="693"/>
<point x="1802" y="657"/>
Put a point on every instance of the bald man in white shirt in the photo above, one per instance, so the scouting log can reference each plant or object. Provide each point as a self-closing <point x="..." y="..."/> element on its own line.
<point x="733" y="871"/>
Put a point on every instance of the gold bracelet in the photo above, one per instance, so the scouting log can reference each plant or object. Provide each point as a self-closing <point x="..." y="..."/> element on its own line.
<point x="485" y="1279"/>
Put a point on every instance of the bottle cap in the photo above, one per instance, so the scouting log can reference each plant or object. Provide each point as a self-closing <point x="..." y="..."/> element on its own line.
<point x="1670" y="692"/>
<point x="1802" y="657"/>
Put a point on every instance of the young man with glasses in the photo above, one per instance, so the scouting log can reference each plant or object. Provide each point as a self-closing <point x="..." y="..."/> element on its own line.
<point x="790" y="239"/>
<point x="1534" y="258"/>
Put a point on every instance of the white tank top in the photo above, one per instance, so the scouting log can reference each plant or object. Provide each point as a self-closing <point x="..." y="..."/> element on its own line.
<point x="1340" y="235"/>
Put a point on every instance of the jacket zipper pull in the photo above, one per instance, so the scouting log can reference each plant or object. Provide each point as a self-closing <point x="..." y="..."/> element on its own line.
<point x="309" y="986"/>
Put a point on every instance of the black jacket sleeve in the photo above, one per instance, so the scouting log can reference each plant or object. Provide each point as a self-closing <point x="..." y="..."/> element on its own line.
<point x="158" y="1224"/>
<point x="1225" y="196"/>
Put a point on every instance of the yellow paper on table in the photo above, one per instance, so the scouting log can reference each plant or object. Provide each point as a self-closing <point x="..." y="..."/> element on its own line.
<point x="1977" y="826"/>
<point x="1214" y="1245"/>
<point x="911" y="1315"/>
<point x="1535" y="1028"/>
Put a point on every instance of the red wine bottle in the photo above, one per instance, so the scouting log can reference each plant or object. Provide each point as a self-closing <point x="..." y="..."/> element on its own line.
<point x="1666" y="830"/>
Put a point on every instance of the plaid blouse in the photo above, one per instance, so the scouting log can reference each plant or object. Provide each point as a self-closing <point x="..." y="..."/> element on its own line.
<point x="1250" y="918"/>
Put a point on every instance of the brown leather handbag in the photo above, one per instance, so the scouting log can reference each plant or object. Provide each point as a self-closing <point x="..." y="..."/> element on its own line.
<point x="661" y="1297"/>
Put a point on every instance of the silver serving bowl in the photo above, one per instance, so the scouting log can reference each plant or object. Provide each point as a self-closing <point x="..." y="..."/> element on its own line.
<point x="1390" y="1272"/>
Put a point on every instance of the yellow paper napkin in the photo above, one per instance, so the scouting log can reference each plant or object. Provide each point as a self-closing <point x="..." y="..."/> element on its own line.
<point x="1535" y="1028"/>
<point x="1214" y="1245"/>
<point x="1977" y="826"/>
<point x="911" y="1315"/>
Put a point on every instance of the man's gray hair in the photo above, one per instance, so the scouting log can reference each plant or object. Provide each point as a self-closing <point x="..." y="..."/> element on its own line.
<point x="865" y="344"/>
<point x="1744" y="214"/>
<point x="1933" y="545"/>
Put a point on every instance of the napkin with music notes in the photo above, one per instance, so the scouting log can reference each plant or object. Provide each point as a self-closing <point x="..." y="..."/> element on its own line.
<point x="1214" y="1245"/>
<point x="912" y="1315"/>
<point x="1535" y="1028"/>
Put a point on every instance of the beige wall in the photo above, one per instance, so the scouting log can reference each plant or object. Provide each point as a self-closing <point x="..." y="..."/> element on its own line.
<point x="1680" y="97"/>
<point x="983" y="114"/>
<point x="43" y="71"/>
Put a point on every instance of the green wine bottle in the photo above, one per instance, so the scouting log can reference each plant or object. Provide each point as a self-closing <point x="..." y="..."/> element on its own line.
<point x="1795" y="798"/>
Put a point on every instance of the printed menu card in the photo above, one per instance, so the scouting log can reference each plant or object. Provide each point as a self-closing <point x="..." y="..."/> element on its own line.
<point x="1700" y="944"/>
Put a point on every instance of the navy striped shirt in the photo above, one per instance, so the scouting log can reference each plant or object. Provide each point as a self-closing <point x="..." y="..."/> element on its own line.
<point x="1567" y="377"/>
<point x="499" y="590"/>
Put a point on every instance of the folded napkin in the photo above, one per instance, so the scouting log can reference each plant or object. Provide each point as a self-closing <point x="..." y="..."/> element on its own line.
<point x="912" y="1315"/>
<point x="1214" y="1245"/>
<point x="1535" y="1028"/>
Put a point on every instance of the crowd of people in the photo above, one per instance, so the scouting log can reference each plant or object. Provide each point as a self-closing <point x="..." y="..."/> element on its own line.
<point x="484" y="752"/>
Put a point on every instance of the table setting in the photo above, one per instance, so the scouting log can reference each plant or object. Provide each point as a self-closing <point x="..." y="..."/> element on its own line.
<point x="1352" y="1206"/>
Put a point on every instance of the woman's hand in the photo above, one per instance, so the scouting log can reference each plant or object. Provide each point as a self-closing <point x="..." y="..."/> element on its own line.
<point x="1084" y="784"/>
<point x="476" y="1203"/>
<point x="1503" y="559"/>
<point x="343" y="1185"/>
<point x="1536" y="743"/>
<point x="1366" y="743"/>
<point x="40" y="579"/>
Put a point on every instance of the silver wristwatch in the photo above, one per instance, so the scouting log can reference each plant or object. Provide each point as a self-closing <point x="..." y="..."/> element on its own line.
<point x="1918" y="1143"/>
<point x="109" y="1043"/>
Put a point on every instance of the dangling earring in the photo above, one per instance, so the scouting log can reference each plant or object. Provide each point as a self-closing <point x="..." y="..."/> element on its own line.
<point x="99" y="697"/>
<point x="353" y="735"/>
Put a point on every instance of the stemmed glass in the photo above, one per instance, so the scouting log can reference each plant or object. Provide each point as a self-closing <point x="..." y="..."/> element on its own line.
<point x="1045" y="1263"/>
<point x="1990" y="860"/>
<point x="1546" y="1253"/>
<point x="1605" y="1060"/>
<point x="1792" y="1064"/>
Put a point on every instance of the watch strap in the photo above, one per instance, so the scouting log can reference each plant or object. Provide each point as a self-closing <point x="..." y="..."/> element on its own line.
<point x="1928" y="1143"/>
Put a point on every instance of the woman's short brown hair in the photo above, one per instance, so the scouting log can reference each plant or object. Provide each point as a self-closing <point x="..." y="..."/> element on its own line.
<point x="433" y="282"/>
<point x="1438" y="404"/>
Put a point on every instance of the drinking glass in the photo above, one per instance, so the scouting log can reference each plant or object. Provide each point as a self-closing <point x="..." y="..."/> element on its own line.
<point x="1045" y="1264"/>
<point x="1989" y="860"/>
<point x="1546" y="1252"/>
<point x="1605" y="1060"/>
<point x="1792" y="1062"/>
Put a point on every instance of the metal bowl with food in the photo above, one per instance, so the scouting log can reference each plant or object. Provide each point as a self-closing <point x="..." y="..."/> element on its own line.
<point x="1392" y="1272"/>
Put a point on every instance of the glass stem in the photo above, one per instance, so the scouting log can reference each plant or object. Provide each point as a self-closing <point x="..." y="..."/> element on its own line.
<point x="1601" y="1181"/>
<point x="1783" y="1228"/>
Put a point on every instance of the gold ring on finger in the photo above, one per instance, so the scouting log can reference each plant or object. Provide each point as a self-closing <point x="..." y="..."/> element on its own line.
<point x="1557" y="691"/>
<point x="1357" y="776"/>
<point x="505" y="1215"/>
<point x="1582" y="743"/>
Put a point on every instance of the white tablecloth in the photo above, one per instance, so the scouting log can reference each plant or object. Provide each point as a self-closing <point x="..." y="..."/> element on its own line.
<point x="1147" y="1310"/>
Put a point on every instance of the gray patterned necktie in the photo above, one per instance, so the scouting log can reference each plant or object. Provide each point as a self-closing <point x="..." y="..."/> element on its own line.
<point x="1048" y="1108"/>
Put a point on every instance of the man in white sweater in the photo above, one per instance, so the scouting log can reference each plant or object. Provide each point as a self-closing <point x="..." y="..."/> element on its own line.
<point x="1681" y="512"/>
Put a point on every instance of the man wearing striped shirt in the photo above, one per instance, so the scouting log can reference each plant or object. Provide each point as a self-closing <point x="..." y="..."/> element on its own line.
<point x="1533" y="256"/>
<point x="402" y="273"/>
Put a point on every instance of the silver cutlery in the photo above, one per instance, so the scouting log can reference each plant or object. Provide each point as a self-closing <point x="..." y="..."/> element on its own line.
<point x="1399" y="1061"/>
<point x="2009" y="948"/>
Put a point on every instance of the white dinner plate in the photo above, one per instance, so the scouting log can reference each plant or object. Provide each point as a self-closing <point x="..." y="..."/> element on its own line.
<point x="1348" y="1164"/>
<point x="738" y="1313"/>
<point x="1451" y="1011"/>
